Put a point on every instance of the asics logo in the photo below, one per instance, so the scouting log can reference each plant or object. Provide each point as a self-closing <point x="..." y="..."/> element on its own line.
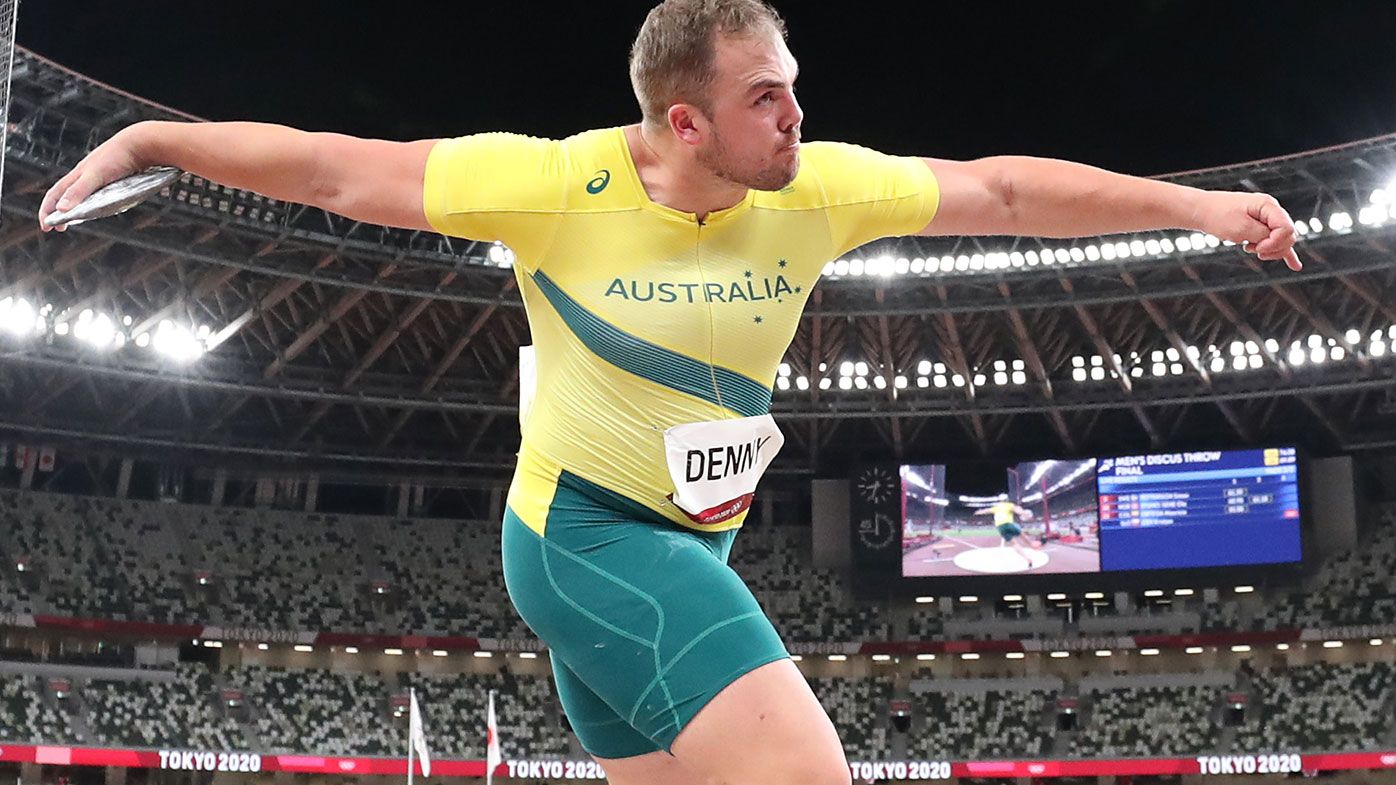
<point x="598" y="183"/>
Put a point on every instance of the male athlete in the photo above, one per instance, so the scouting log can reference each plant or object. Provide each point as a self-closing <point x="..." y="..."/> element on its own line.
<point x="1006" y="514"/>
<point x="664" y="266"/>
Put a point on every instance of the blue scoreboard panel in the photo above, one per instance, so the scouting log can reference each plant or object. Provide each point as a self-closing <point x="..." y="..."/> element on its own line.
<point x="1199" y="509"/>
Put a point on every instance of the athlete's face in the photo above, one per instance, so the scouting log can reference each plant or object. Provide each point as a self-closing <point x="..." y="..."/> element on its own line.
<point x="754" y="136"/>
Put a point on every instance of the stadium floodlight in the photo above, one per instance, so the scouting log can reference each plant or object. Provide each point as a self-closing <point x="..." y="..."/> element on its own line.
<point x="899" y="382"/>
<point x="969" y="598"/>
<point x="801" y="383"/>
<point x="782" y="383"/>
<point x="970" y="655"/>
<point x="213" y="644"/>
<point x="1012" y="598"/>
<point x="393" y="651"/>
<point x="1374" y="642"/>
<point x="351" y="649"/>
<point x="500" y="254"/>
<point x="1056" y="596"/>
<point x="925" y="657"/>
<point x="303" y="648"/>
<point x="1094" y="595"/>
<point x="1060" y="655"/>
<point x="837" y="657"/>
<point x="828" y="269"/>
<point x="438" y="652"/>
<point x="262" y="647"/>
<point x="1014" y="655"/>
<point x="533" y="655"/>
<point x="17" y="316"/>
<point x="1340" y="221"/>
<point x="922" y="600"/>
<point x="1183" y="592"/>
<point x="1153" y="593"/>
<point x="826" y="383"/>
<point x="1104" y="653"/>
<point x="1332" y="644"/>
<point x="1282" y="647"/>
<point x="860" y="368"/>
<point x="793" y="657"/>
<point x="1193" y="650"/>
<point x="841" y="268"/>
<point x="1244" y="589"/>
<point x="918" y="266"/>
<point x="176" y="342"/>
<point x="882" y="658"/>
<point x="855" y="267"/>
<point x="1240" y="648"/>
<point x="1149" y="652"/>
<point x="483" y="655"/>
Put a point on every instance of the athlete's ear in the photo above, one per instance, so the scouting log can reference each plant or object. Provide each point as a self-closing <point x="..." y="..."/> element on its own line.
<point x="688" y="124"/>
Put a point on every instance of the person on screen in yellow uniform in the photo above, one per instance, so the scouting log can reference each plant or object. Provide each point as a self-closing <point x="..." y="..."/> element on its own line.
<point x="1006" y="514"/>
<point x="663" y="266"/>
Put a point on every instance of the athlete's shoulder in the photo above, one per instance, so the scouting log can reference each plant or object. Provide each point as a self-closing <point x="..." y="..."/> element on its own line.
<point x="598" y="171"/>
<point x="840" y="173"/>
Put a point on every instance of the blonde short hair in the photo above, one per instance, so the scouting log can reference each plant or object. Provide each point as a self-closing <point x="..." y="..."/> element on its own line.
<point x="672" y="58"/>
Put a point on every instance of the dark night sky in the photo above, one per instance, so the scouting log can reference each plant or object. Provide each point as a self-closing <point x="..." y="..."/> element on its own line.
<point x="1142" y="86"/>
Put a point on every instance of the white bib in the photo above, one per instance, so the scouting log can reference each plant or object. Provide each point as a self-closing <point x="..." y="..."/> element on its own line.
<point x="715" y="465"/>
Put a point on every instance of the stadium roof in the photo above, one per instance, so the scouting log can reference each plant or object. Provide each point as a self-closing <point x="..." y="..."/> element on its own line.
<point x="215" y="321"/>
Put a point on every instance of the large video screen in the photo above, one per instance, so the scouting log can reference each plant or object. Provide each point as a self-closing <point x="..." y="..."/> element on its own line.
<point x="1038" y="517"/>
<point x="1199" y="509"/>
<point x="1142" y="512"/>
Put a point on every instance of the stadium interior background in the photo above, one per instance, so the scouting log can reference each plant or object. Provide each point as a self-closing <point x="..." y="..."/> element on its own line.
<point x="253" y="459"/>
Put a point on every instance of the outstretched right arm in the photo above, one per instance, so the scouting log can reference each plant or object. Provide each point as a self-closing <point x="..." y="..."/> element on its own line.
<point x="368" y="180"/>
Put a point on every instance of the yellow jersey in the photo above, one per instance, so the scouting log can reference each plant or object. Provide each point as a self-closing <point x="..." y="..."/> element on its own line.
<point x="642" y="317"/>
<point x="1004" y="513"/>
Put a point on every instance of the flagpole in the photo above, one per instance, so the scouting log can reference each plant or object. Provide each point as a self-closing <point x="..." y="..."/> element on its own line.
<point x="489" y="770"/>
<point x="411" y="696"/>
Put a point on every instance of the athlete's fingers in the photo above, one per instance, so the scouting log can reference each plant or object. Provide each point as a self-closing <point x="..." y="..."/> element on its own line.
<point x="50" y="201"/>
<point x="1292" y="260"/>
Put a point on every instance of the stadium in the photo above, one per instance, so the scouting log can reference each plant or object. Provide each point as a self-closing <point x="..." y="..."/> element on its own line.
<point x="255" y="457"/>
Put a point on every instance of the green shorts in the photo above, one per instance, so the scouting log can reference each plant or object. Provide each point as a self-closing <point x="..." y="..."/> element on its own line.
<point x="1009" y="530"/>
<point x="644" y="620"/>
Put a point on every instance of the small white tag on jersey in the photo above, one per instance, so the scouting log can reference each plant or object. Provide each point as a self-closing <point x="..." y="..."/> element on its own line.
<point x="716" y="465"/>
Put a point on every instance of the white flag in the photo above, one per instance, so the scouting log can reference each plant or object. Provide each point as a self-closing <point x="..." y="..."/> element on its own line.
<point x="492" y="756"/>
<point x="417" y="735"/>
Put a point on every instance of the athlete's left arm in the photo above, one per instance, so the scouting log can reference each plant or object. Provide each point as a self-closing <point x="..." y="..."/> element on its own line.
<point x="1043" y="197"/>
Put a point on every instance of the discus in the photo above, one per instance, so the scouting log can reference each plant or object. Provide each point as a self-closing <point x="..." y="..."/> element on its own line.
<point x="116" y="197"/>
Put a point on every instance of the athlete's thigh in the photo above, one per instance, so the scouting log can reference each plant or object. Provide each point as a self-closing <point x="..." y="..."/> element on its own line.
<point x="647" y="617"/>
<point x="602" y="732"/>
<point x="765" y="727"/>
